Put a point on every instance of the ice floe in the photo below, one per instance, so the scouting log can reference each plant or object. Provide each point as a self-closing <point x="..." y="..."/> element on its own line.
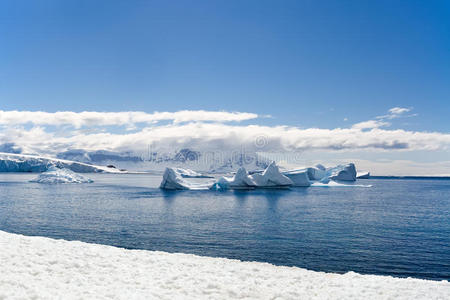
<point x="56" y="175"/>
<point x="44" y="268"/>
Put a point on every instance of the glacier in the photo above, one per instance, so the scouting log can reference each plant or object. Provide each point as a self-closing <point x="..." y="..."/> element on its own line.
<point x="45" y="268"/>
<point x="56" y="175"/>
<point x="10" y="162"/>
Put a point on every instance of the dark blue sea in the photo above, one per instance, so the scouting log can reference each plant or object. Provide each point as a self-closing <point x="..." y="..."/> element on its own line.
<point x="398" y="227"/>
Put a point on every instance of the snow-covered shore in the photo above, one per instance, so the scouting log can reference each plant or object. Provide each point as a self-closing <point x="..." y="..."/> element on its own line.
<point x="43" y="268"/>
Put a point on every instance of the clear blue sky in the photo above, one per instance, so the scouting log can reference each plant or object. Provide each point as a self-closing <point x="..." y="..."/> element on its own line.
<point x="306" y="63"/>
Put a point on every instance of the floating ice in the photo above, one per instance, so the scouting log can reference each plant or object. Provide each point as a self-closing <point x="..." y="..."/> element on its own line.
<point x="173" y="180"/>
<point x="298" y="177"/>
<point x="241" y="180"/>
<point x="271" y="178"/>
<point x="332" y="183"/>
<point x="342" y="172"/>
<point x="363" y="175"/>
<point x="56" y="175"/>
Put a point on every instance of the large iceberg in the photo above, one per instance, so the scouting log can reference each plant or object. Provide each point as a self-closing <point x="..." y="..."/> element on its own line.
<point x="32" y="163"/>
<point x="174" y="180"/>
<point x="271" y="178"/>
<point x="241" y="180"/>
<point x="56" y="175"/>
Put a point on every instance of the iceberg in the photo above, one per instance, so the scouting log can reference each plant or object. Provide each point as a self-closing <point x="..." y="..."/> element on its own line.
<point x="188" y="173"/>
<point x="56" y="175"/>
<point x="342" y="172"/>
<point x="362" y="175"/>
<point x="174" y="180"/>
<point x="32" y="163"/>
<point x="298" y="177"/>
<point x="241" y="180"/>
<point x="271" y="178"/>
<point x="315" y="173"/>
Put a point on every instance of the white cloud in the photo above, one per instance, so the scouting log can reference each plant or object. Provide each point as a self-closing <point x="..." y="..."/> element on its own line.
<point x="214" y="136"/>
<point x="370" y="124"/>
<point x="92" y="118"/>
<point x="399" y="110"/>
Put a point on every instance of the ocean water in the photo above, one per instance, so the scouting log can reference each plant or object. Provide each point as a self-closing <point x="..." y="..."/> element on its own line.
<point x="396" y="227"/>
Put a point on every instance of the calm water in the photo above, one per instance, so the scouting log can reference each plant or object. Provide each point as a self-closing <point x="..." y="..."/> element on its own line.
<point x="396" y="227"/>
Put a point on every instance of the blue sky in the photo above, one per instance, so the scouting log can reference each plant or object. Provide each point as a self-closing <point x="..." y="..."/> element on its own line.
<point x="308" y="64"/>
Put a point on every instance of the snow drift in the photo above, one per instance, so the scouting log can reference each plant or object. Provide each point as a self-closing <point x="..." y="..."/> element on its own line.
<point x="43" y="268"/>
<point x="56" y="175"/>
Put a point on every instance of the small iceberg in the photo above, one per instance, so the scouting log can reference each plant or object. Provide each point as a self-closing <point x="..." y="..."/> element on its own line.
<point x="55" y="175"/>
<point x="343" y="172"/>
<point x="363" y="175"/>
<point x="174" y="180"/>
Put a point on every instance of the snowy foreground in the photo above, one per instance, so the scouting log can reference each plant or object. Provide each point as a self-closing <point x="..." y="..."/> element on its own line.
<point x="43" y="268"/>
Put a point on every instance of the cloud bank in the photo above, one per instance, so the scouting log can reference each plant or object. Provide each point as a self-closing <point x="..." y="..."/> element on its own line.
<point x="93" y="118"/>
<point x="194" y="129"/>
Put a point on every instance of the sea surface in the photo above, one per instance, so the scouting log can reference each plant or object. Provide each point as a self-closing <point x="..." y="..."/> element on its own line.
<point x="398" y="227"/>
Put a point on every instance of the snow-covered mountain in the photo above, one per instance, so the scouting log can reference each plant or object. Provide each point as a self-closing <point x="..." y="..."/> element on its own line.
<point x="203" y="161"/>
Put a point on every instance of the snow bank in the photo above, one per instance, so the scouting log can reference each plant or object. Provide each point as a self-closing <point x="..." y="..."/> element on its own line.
<point x="32" y="163"/>
<point x="173" y="180"/>
<point x="43" y="268"/>
<point x="56" y="175"/>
